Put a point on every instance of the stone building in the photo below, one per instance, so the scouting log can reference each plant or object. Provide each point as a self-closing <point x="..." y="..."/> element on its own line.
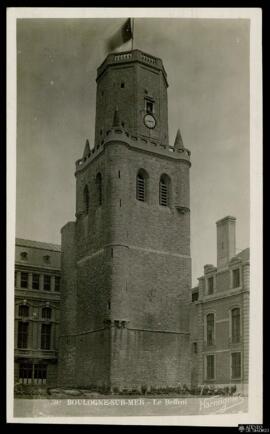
<point x="126" y="266"/>
<point x="127" y="316"/>
<point x="37" y="294"/>
<point x="219" y="316"/>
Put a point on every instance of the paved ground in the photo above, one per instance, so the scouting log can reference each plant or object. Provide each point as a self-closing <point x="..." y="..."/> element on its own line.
<point x="129" y="406"/>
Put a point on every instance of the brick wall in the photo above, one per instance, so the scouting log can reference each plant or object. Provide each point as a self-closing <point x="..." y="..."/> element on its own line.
<point x="128" y="261"/>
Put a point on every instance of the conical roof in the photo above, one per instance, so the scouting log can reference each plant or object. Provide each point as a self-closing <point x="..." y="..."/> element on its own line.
<point x="178" y="144"/>
<point x="86" y="151"/>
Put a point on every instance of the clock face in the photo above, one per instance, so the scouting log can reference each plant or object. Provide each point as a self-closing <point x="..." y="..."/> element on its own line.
<point x="149" y="121"/>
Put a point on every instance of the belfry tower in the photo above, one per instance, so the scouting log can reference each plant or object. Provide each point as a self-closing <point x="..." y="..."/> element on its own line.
<point x="126" y="266"/>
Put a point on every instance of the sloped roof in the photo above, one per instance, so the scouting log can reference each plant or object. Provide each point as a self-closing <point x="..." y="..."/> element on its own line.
<point x="38" y="245"/>
<point x="244" y="254"/>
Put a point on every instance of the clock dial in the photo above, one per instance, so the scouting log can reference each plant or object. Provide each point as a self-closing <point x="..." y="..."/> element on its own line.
<point x="149" y="121"/>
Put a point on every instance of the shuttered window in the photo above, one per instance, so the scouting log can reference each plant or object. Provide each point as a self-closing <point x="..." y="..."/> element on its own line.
<point x="140" y="188"/>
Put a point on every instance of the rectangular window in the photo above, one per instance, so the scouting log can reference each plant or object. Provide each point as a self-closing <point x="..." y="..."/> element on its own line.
<point x="210" y="329"/>
<point x="235" y="321"/>
<point x="149" y="106"/>
<point x="35" y="281"/>
<point x="236" y="365"/>
<point x="24" y="280"/>
<point x="236" y="278"/>
<point x="195" y="347"/>
<point x="57" y="283"/>
<point x="22" y="334"/>
<point x="47" y="282"/>
<point x="210" y="367"/>
<point x="40" y="374"/>
<point x="25" y="373"/>
<point x="45" y="336"/>
<point x="210" y="285"/>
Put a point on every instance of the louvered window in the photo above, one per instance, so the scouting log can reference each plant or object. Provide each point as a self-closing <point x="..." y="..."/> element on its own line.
<point x="164" y="190"/>
<point x="140" y="187"/>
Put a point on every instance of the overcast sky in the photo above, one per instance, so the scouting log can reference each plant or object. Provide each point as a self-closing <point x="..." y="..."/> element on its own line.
<point x="207" y="62"/>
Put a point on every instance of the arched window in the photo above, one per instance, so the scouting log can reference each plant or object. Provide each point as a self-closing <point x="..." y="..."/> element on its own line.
<point x="86" y="199"/>
<point x="99" y="188"/>
<point x="164" y="186"/>
<point x="46" y="313"/>
<point x="210" y="328"/>
<point x="235" y="325"/>
<point x="141" y="185"/>
<point x="23" y="311"/>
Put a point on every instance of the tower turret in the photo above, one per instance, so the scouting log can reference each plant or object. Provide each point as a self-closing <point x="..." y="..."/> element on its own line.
<point x="137" y="83"/>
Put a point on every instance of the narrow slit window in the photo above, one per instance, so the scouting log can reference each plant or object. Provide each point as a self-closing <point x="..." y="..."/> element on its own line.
<point x="86" y="199"/>
<point x="99" y="189"/>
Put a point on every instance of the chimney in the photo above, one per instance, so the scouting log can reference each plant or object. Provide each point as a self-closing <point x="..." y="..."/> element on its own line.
<point x="225" y="240"/>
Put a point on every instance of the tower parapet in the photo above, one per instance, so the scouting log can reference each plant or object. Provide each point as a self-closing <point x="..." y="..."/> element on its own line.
<point x="118" y="134"/>
<point x="125" y="57"/>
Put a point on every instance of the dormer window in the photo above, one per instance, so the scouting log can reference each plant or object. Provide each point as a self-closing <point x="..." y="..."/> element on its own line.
<point x="24" y="256"/>
<point x="210" y="285"/>
<point x="236" y="278"/>
<point x="195" y="296"/>
<point x="47" y="259"/>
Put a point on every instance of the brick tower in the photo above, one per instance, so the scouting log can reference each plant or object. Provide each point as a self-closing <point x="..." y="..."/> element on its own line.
<point x="126" y="266"/>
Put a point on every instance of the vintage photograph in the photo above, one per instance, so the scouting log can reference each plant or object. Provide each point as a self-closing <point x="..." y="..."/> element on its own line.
<point x="133" y="216"/>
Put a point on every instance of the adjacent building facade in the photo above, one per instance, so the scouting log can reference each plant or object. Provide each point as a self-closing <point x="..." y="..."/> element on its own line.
<point x="219" y="318"/>
<point x="37" y="297"/>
